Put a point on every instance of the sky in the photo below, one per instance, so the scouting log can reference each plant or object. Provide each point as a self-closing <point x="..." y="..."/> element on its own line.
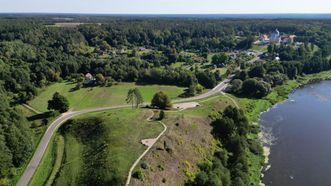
<point x="165" y="6"/>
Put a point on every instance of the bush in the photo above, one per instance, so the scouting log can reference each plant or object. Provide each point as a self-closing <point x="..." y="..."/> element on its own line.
<point x="161" y="100"/>
<point x="139" y="175"/>
<point x="110" y="82"/>
<point x="255" y="88"/>
<point x="161" y="115"/>
<point x="34" y="125"/>
<point x="199" y="88"/>
<point x="100" y="79"/>
<point x="78" y="86"/>
<point x="160" y="167"/>
<point x="144" y="165"/>
<point x="236" y="86"/>
<point x="255" y="147"/>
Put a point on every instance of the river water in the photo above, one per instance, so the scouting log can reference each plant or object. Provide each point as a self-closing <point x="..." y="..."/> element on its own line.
<point x="301" y="144"/>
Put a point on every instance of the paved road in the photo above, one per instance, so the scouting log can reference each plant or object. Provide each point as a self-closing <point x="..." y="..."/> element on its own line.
<point x="34" y="162"/>
<point x="219" y="88"/>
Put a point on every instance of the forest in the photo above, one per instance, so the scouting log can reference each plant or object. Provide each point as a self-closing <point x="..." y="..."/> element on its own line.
<point x="35" y="52"/>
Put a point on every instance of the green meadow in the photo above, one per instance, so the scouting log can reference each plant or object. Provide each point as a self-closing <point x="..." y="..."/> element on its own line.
<point x="99" y="147"/>
<point x="92" y="97"/>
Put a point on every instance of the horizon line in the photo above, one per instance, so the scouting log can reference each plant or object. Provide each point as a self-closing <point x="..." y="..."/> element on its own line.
<point x="203" y="13"/>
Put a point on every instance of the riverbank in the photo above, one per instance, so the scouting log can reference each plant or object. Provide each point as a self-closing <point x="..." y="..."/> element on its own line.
<point x="253" y="109"/>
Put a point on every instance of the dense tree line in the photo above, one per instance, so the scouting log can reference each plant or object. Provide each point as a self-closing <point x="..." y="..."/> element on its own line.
<point x="229" y="166"/>
<point x="258" y="79"/>
<point x="15" y="140"/>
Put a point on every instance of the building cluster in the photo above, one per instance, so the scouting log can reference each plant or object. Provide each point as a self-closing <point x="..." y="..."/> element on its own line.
<point x="276" y="38"/>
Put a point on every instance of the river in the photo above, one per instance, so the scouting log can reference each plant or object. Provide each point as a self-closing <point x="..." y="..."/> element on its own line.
<point x="301" y="144"/>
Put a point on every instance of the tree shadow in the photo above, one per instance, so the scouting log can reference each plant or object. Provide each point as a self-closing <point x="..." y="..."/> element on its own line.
<point x="41" y="116"/>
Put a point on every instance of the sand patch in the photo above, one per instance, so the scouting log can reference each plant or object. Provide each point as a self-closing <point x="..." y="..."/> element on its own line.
<point x="182" y="106"/>
<point x="148" y="142"/>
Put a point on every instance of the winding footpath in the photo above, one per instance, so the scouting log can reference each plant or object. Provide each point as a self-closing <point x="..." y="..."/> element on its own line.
<point x="145" y="152"/>
<point x="34" y="162"/>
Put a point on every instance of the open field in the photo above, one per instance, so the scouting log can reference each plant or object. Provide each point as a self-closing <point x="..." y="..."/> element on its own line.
<point x="112" y="145"/>
<point x="100" y="96"/>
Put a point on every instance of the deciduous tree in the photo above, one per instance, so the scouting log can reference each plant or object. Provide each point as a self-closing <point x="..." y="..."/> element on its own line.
<point x="161" y="100"/>
<point x="58" y="103"/>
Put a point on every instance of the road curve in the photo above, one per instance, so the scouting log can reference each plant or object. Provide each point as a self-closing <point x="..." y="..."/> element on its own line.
<point x="34" y="162"/>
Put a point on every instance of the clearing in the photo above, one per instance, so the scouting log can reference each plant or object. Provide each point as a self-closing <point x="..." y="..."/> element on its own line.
<point x="92" y="97"/>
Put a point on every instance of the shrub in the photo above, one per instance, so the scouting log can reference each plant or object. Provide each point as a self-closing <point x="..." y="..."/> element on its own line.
<point x="100" y="79"/>
<point x="78" y="86"/>
<point x="255" y="88"/>
<point x="139" y="175"/>
<point x="236" y="86"/>
<point x="144" y="165"/>
<point x="160" y="167"/>
<point x="255" y="147"/>
<point x="161" y="100"/>
<point x="161" y="115"/>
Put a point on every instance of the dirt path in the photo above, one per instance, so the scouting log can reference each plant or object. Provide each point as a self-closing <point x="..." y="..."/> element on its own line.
<point x="234" y="101"/>
<point x="32" y="109"/>
<point x="149" y="143"/>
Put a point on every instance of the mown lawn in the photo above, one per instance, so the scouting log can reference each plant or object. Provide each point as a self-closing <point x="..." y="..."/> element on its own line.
<point x="99" y="96"/>
<point x="108" y="151"/>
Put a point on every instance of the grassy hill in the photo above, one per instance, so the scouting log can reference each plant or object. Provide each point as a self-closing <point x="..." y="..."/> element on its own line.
<point x="99" y="96"/>
<point x="100" y="147"/>
<point x="187" y="142"/>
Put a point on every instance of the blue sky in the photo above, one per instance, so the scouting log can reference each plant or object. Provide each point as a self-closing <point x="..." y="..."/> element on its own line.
<point x="167" y="6"/>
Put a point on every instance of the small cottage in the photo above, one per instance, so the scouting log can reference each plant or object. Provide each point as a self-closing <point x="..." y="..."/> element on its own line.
<point x="89" y="80"/>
